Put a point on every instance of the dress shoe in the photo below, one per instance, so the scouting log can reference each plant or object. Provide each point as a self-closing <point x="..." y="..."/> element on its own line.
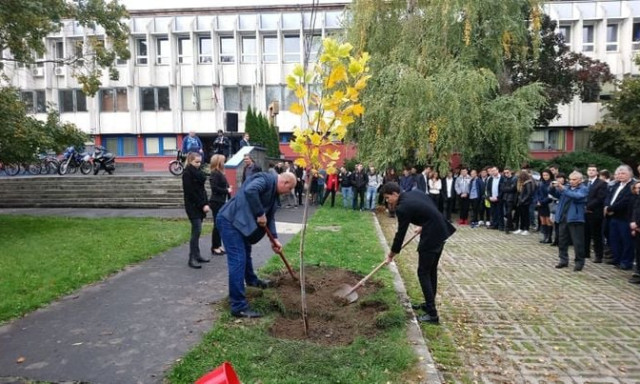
<point x="578" y="268"/>
<point x="597" y="260"/>
<point x="562" y="265"/>
<point x="217" y="253"/>
<point x="429" y="319"/>
<point x="193" y="263"/>
<point x="247" y="314"/>
<point x="611" y="262"/>
<point x="635" y="279"/>
<point x="416" y="307"/>
<point x="201" y="259"/>
<point x="262" y="284"/>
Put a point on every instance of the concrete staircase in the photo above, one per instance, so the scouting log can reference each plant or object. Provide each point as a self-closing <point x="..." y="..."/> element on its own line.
<point x="102" y="191"/>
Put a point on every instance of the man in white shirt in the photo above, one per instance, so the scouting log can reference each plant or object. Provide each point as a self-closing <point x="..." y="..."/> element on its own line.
<point x="616" y="209"/>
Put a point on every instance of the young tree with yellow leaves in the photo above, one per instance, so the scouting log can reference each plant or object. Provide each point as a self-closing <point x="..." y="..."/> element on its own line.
<point x="328" y="102"/>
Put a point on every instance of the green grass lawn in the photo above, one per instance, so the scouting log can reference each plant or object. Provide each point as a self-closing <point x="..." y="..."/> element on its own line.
<point x="44" y="258"/>
<point x="258" y="357"/>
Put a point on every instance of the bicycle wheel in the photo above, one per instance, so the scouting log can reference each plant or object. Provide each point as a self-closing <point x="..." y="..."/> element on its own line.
<point x="176" y="168"/>
<point x="12" y="169"/>
<point x="33" y="169"/>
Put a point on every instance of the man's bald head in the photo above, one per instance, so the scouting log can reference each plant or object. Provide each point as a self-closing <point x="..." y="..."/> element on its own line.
<point x="286" y="182"/>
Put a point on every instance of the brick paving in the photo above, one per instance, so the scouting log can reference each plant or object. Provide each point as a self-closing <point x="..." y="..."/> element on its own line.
<point x="526" y="322"/>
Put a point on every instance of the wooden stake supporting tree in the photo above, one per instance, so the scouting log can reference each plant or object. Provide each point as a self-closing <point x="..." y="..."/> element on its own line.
<point x="328" y="102"/>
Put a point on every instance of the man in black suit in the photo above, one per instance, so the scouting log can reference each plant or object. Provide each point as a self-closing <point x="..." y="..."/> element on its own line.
<point x="417" y="208"/>
<point x="594" y="213"/>
<point x="617" y="210"/>
<point x="422" y="180"/>
<point x="495" y="183"/>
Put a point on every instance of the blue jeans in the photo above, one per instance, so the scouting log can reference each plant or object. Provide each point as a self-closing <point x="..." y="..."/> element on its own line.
<point x="239" y="264"/>
<point x="347" y="196"/>
<point x="194" y="242"/>
<point x="371" y="198"/>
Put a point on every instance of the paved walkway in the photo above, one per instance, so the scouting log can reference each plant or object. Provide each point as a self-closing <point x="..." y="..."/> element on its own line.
<point x="130" y="327"/>
<point x="527" y="322"/>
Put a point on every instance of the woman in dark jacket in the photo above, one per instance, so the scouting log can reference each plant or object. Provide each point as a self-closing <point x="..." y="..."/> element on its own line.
<point x="526" y="189"/>
<point x="220" y="189"/>
<point x="542" y="204"/>
<point x="196" y="205"/>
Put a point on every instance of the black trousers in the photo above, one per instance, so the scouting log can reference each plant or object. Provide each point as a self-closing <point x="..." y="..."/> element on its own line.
<point x="358" y="193"/>
<point x="428" y="276"/>
<point x="464" y="208"/>
<point x="573" y="232"/>
<point x="508" y="214"/>
<point x="328" y="192"/>
<point x="447" y="206"/>
<point x="593" y="232"/>
<point x="475" y="209"/>
<point x="215" y="234"/>
<point x="525" y="222"/>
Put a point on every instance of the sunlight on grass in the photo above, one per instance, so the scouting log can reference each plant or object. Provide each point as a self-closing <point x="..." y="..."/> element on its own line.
<point x="44" y="258"/>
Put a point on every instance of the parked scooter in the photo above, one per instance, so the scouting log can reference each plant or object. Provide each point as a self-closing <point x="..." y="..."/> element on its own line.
<point x="103" y="160"/>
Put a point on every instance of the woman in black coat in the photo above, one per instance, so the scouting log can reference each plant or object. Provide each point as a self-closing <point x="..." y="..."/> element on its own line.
<point x="196" y="205"/>
<point x="220" y="189"/>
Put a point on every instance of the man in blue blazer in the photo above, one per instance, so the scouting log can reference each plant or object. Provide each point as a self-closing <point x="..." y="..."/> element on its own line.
<point x="617" y="210"/>
<point x="241" y="223"/>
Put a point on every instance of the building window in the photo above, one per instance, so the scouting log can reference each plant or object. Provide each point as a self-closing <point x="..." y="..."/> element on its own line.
<point x="547" y="139"/>
<point x="114" y="100"/>
<point x="273" y="93"/>
<point x="163" y="53"/>
<point x="160" y="146"/>
<point x="612" y="37"/>
<point x="292" y="49"/>
<point x="58" y="49"/>
<point x="184" y="50"/>
<point x="155" y="99"/>
<point x="205" y="50"/>
<point x="249" y="50"/>
<point x="72" y="100"/>
<point x="270" y="49"/>
<point x="587" y="38"/>
<point x="269" y="21"/>
<point x="34" y="101"/>
<point x="636" y="36"/>
<point x="141" y="51"/>
<point x="565" y="31"/>
<point x="198" y="99"/>
<point x="312" y="45"/>
<point x="238" y="98"/>
<point x="227" y="49"/>
<point x="121" y="145"/>
<point x="78" y="51"/>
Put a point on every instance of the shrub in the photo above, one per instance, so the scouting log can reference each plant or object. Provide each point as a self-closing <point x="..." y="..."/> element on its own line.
<point x="581" y="159"/>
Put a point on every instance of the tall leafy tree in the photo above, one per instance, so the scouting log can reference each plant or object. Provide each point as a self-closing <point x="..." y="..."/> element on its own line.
<point x="437" y="68"/>
<point x="24" y="25"/>
<point x="618" y="134"/>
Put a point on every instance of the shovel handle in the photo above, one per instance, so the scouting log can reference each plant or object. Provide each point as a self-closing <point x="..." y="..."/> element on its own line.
<point x="284" y="259"/>
<point x="376" y="269"/>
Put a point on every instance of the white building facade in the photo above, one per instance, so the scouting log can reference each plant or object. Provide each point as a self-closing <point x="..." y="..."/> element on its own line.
<point x="199" y="68"/>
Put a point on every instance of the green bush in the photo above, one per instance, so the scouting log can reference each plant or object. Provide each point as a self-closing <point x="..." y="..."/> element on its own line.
<point x="581" y="159"/>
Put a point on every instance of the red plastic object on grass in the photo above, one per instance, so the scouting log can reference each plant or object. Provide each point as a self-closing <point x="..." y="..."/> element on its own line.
<point x="224" y="374"/>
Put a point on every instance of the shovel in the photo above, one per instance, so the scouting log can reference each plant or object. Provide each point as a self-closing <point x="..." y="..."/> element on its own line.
<point x="349" y="294"/>
<point x="284" y="259"/>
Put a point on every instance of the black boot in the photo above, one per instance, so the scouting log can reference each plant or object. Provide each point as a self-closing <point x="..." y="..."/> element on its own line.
<point x="201" y="259"/>
<point x="543" y="230"/>
<point x="547" y="235"/>
<point x="193" y="262"/>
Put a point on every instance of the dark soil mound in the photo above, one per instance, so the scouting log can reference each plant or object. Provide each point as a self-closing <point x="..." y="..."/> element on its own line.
<point x="332" y="321"/>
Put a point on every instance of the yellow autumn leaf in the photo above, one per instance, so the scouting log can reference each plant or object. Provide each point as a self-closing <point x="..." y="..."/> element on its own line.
<point x="300" y="162"/>
<point x="358" y="109"/>
<point x="344" y="50"/>
<point x="337" y="75"/>
<point x="315" y="139"/>
<point x="333" y="154"/>
<point x="300" y="92"/>
<point x="355" y="67"/>
<point x="296" y="109"/>
<point x="352" y="94"/>
<point x="361" y="83"/>
<point x="298" y="70"/>
<point x="291" y="82"/>
<point x="340" y="131"/>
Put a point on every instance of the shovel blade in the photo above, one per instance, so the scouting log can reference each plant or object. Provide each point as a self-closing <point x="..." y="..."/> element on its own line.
<point x="346" y="293"/>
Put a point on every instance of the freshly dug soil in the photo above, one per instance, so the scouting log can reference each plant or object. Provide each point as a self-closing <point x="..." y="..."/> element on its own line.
<point x="332" y="321"/>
